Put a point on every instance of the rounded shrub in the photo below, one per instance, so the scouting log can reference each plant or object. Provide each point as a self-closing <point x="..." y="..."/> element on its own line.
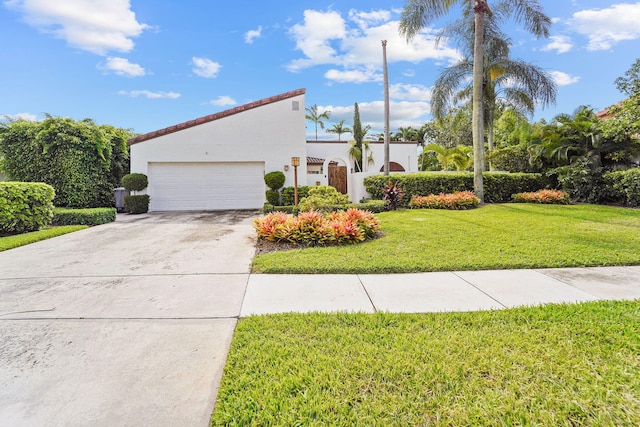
<point x="322" y="196"/>
<point x="136" y="204"/>
<point x="25" y="206"/>
<point x="273" y="197"/>
<point x="274" y="180"/>
<point x="135" y="181"/>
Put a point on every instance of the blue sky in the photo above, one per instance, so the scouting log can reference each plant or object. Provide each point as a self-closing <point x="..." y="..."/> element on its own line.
<point x="148" y="64"/>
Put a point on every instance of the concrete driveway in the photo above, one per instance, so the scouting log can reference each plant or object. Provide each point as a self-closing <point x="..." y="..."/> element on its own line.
<point x="124" y="324"/>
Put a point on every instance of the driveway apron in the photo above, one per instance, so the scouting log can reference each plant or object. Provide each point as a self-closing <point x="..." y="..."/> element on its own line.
<point x="126" y="324"/>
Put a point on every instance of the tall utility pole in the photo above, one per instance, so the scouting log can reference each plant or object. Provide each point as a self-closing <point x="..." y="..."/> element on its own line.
<point x="386" y="108"/>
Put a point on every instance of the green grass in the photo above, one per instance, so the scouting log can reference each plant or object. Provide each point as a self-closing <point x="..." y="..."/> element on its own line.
<point x="498" y="236"/>
<point x="14" y="241"/>
<point x="557" y="365"/>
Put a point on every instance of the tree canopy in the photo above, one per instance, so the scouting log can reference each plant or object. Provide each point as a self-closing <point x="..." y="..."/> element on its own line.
<point x="83" y="161"/>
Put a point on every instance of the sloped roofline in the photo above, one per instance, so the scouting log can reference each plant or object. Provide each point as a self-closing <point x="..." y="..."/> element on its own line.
<point x="216" y="116"/>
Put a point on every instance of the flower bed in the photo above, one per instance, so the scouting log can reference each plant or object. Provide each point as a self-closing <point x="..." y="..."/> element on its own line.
<point x="543" y="196"/>
<point x="455" y="201"/>
<point x="315" y="228"/>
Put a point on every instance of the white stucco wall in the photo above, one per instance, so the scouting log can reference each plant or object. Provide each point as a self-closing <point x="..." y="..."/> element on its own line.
<point x="271" y="133"/>
<point x="405" y="154"/>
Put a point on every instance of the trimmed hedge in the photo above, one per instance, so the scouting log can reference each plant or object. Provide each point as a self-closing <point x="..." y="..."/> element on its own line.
<point x="624" y="186"/>
<point x="136" y="204"/>
<point x="498" y="186"/>
<point x="25" y="206"/>
<point x="135" y="181"/>
<point x="90" y="217"/>
<point x="274" y="180"/>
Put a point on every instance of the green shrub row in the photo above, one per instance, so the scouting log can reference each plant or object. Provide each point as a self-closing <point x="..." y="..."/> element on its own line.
<point x="624" y="186"/>
<point x="25" y="206"/>
<point x="498" y="186"/>
<point x="90" y="217"/>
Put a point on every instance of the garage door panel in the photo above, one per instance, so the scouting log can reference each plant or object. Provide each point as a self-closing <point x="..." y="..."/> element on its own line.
<point x="206" y="186"/>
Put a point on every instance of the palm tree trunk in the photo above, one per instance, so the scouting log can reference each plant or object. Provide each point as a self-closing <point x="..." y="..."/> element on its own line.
<point x="386" y="108"/>
<point x="477" y="124"/>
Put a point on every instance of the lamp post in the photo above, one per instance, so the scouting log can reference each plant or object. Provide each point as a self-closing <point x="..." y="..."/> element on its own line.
<point x="295" y="162"/>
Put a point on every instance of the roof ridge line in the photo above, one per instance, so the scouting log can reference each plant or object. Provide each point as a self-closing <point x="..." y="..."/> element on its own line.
<point x="215" y="116"/>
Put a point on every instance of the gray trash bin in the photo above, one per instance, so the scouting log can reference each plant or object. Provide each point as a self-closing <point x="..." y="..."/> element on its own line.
<point x="120" y="192"/>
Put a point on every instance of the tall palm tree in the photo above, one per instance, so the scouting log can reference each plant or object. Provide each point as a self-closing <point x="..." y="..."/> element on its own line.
<point x="339" y="128"/>
<point x="508" y="83"/>
<point x="315" y="117"/>
<point x="419" y="13"/>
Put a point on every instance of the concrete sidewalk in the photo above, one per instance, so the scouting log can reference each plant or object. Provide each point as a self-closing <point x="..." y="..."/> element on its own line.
<point x="437" y="292"/>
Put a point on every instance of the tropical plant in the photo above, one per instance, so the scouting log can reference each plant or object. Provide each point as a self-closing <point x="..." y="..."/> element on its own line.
<point x="339" y="128"/>
<point x="572" y="136"/>
<point x="419" y="13"/>
<point x="393" y="194"/>
<point x="460" y="157"/>
<point x="622" y="126"/>
<point x="316" y="117"/>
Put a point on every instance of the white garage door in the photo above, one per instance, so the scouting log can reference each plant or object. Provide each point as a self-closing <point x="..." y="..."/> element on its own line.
<point x="206" y="186"/>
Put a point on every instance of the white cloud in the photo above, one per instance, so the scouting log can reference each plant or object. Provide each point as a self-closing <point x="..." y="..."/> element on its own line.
<point x="354" y="76"/>
<point x="21" y="116"/>
<point x="251" y="35"/>
<point x="561" y="44"/>
<point x="607" y="27"/>
<point x="367" y="19"/>
<point x="123" y="67"/>
<point x="314" y="38"/>
<point x="97" y="26"/>
<point x="223" y="101"/>
<point x="150" y="95"/>
<point x="205" y="67"/>
<point x="401" y="114"/>
<point x="354" y="43"/>
<point x="410" y="92"/>
<point x="563" y="79"/>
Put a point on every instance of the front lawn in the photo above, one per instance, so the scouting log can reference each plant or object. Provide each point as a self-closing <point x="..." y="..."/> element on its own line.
<point x="572" y="365"/>
<point x="14" y="241"/>
<point x="501" y="236"/>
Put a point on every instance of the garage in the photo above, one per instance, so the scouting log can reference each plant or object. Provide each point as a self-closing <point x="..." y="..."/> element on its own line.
<point x="206" y="185"/>
<point x="218" y="161"/>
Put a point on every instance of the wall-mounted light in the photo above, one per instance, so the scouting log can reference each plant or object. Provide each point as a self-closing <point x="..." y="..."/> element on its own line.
<point x="286" y="168"/>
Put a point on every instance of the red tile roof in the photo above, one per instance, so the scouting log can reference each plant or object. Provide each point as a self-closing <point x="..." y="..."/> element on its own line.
<point x="216" y="116"/>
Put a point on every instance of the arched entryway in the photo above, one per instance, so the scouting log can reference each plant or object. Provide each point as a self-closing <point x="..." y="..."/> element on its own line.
<point x="393" y="167"/>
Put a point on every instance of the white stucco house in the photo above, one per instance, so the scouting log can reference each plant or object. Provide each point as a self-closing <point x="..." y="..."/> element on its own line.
<point x="218" y="162"/>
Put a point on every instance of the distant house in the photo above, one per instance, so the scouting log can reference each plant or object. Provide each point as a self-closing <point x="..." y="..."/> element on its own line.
<point x="218" y="162"/>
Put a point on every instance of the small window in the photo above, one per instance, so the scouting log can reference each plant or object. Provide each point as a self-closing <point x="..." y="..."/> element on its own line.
<point x="295" y="105"/>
